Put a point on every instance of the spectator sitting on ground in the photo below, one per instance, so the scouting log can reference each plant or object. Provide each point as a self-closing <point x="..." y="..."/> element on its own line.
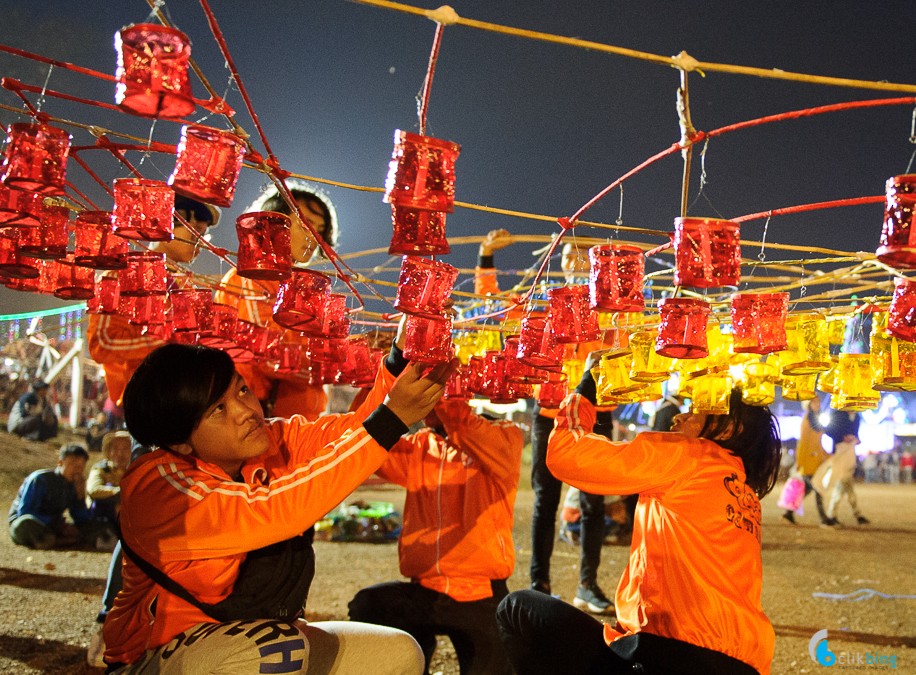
<point x="95" y="432"/>
<point x="32" y="416"/>
<point x="36" y="516"/>
<point x="104" y="484"/>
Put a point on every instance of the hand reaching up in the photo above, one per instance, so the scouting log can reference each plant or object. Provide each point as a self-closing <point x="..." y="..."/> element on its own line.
<point x="414" y="394"/>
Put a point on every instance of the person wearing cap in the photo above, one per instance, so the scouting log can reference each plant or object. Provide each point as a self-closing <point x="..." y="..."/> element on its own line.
<point x="32" y="416"/>
<point x="461" y="473"/>
<point x="118" y="345"/>
<point x="283" y="395"/>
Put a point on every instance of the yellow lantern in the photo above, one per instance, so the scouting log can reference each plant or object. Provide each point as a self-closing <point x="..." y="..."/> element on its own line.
<point x="826" y="381"/>
<point x="648" y="365"/>
<point x="809" y="349"/>
<point x="893" y="361"/>
<point x="853" y="386"/>
<point x="614" y="376"/>
<point x="711" y="394"/>
<point x="759" y="383"/>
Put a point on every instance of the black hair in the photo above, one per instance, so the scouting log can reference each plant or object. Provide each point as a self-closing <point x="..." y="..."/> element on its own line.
<point x="39" y="384"/>
<point x="72" y="450"/>
<point x="751" y="433"/>
<point x="198" y="209"/>
<point x="277" y="204"/>
<point x="171" y="390"/>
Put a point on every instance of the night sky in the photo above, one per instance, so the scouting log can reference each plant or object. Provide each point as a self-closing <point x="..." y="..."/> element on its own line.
<point x="543" y="127"/>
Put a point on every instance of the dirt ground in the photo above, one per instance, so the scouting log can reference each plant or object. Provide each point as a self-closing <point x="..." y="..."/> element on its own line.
<point x="49" y="598"/>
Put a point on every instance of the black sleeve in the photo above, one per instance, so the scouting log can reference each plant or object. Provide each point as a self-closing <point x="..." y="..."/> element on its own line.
<point x="385" y="427"/>
<point x="587" y="387"/>
<point x="485" y="261"/>
<point x="604" y="424"/>
<point x="395" y="361"/>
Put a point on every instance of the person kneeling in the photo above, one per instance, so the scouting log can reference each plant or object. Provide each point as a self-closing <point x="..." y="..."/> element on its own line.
<point x="689" y="600"/>
<point x="461" y="473"/>
<point x="216" y="521"/>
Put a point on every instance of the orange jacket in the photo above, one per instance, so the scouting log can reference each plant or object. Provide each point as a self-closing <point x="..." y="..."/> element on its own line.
<point x="294" y="395"/>
<point x="695" y="571"/>
<point x="457" y="530"/>
<point x="196" y="524"/>
<point x="118" y="346"/>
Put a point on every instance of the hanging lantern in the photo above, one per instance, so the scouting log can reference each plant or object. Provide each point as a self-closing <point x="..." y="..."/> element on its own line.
<point x="827" y="380"/>
<point x="222" y="327"/>
<point x="494" y="384"/>
<point x="74" y="282"/>
<point x="614" y="376"/>
<point x="356" y="369"/>
<point x="208" y="164"/>
<point x="853" y="384"/>
<point x="518" y="372"/>
<point x="648" y="365"/>
<point x="457" y="385"/>
<point x="537" y="345"/>
<point x="300" y="298"/>
<point x="710" y="395"/>
<point x="428" y="339"/>
<point x="19" y="208"/>
<point x="35" y="159"/>
<point x="798" y="387"/>
<point x="191" y="309"/>
<point x="707" y="252"/>
<point x="898" y="235"/>
<point x="809" y="351"/>
<point x="12" y="265"/>
<point x="97" y="246"/>
<point x="682" y="328"/>
<point x="424" y="286"/>
<point x="901" y="316"/>
<point x="326" y="350"/>
<point x="107" y="296"/>
<point x="144" y="274"/>
<point x="893" y="361"/>
<point x="417" y="232"/>
<point x="146" y="310"/>
<point x="552" y="392"/>
<point x="48" y="241"/>
<point x="615" y="278"/>
<point x="288" y="358"/>
<point x="571" y="317"/>
<point x="331" y="321"/>
<point x="253" y="338"/>
<point x="264" y="245"/>
<point x="143" y="209"/>
<point x="759" y="322"/>
<point x="152" y="72"/>
<point x="759" y="383"/>
<point x="421" y="173"/>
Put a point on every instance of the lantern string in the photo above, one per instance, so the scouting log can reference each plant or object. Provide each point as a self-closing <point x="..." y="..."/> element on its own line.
<point x="423" y="99"/>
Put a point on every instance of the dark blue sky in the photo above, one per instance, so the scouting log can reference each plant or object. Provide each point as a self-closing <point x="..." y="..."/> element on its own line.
<point x="543" y="127"/>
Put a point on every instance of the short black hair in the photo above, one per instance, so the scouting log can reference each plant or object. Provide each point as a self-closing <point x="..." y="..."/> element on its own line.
<point x="200" y="210"/>
<point x="171" y="390"/>
<point x="39" y="384"/>
<point x="751" y="433"/>
<point x="277" y="204"/>
<point x="72" y="450"/>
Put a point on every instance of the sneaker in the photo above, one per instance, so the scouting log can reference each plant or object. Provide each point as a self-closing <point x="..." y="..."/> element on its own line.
<point x="592" y="599"/>
<point x="541" y="586"/>
<point x="862" y="520"/>
<point x="788" y="515"/>
<point x="96" y="650"/>
<point x="830" y="522"/>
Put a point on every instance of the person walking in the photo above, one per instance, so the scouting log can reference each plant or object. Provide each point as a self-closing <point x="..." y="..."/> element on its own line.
<point x="809" y="455"/>
<point x="834" y="478"/>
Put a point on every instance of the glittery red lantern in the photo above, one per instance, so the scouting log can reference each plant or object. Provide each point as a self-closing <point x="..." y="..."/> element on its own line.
<point x="264" y="245"/>
<point x="707" y="252"/>
<point x="208" y="164"/>
<point x="615" y="278"/>
<point x="759" y="322"/>
<point x="571" y="317"/>
<point x="35" y="159"/>
<point x="143" y="209"/>
<point x="424" y="286"/>
<point x="421" y="174"/>
<point x="682" y="331"/>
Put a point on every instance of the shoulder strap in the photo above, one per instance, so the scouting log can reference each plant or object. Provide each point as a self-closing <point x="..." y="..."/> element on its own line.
<point x="160" y="578"/>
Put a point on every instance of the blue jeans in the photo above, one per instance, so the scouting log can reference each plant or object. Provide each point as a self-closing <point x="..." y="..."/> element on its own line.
<point x="547" y="489"/>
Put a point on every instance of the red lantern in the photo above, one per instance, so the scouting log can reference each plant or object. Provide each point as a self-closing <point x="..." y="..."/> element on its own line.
<point x="898" y="235"/>
<point x="682" y="331"/>
<point x="145" y="274"/>
<point x="49" y="240"/>
<point x="35" y="159"/>
<point x="264" y="245"/>
<point x="759" y="322"/>
<point x="428" y="339"/>
<point x="901" y="316"/>
<point x="208" y="164"/>
<point x="615" y="278"/>
<point x="97" y="246"/>
<point x="301" y="298"/>
<point x="421" y="174"/>
<point x="19" y="208"/>
<point x="424" y="286"/>
<point x="143" y="209"/>
<point x="152" y="71"/>
<point x="571" y="317"/>
<point x="707" y="252"/>
<point x="417" y="232"/>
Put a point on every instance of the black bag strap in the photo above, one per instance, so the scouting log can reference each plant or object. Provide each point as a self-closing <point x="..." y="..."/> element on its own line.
<point x="166" y="582"/>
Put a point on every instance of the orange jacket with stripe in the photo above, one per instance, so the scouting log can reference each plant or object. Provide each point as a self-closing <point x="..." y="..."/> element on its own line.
<point x="118" y="346"/>
<point x="294" y="395"/>
<point x="695" y="570"/>
<point x="196" y="524"/>
<point x="457" y="528"/>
